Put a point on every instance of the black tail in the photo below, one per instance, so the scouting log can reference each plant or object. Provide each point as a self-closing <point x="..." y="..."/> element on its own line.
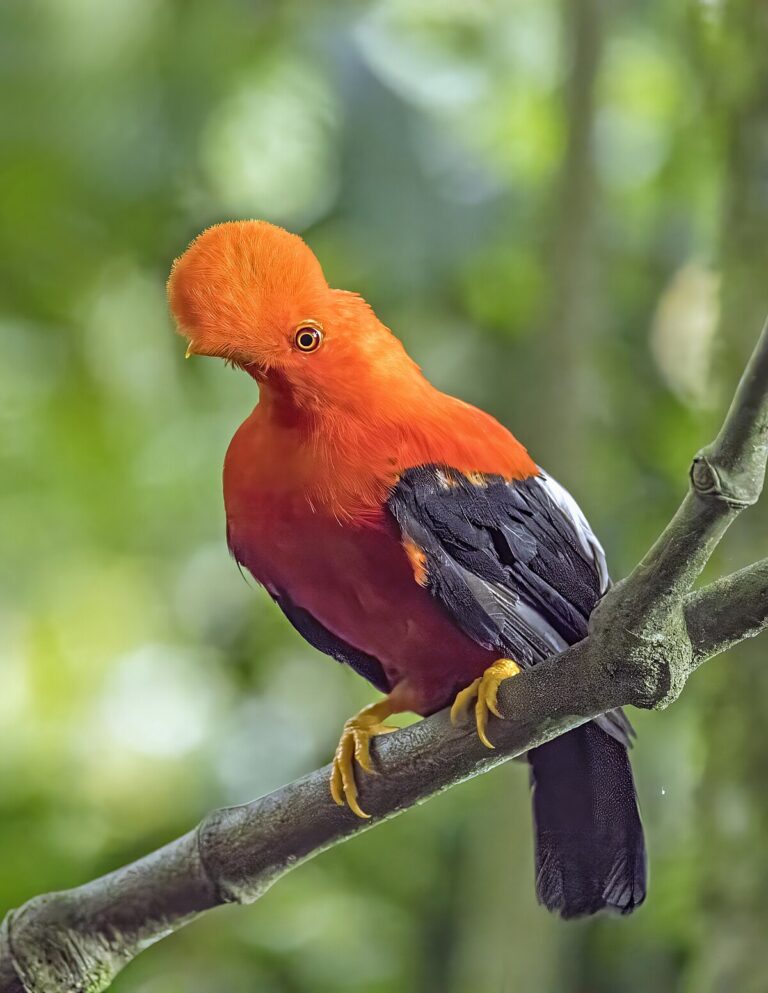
<point x="590" y="851"/>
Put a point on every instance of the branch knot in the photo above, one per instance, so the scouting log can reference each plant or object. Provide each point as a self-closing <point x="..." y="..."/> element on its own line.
<point x="709" y="480"/>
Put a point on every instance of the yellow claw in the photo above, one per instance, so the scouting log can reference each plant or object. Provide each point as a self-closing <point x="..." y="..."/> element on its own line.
<point x="355" y="747"/>
<point x="189" y="351"/>
<point x="484" y="691"/>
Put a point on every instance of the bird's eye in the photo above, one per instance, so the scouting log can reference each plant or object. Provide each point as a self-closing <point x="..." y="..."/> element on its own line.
<point x="307" y="338"/>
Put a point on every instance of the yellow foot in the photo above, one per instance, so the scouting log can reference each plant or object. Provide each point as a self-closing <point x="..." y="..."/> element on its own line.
<point x="484" y="692"/>
<point x="355" y="746"/>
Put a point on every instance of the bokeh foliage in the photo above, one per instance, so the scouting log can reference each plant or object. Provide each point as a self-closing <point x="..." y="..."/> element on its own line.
<point x="562" y="208"/>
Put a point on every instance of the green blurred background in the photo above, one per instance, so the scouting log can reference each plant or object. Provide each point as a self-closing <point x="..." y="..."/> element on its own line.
<point x="562" y="208"/>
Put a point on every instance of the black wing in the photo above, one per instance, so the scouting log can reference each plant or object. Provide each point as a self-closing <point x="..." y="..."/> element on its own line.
<point x="519" y="569"/>
<point x="515" y="563"/>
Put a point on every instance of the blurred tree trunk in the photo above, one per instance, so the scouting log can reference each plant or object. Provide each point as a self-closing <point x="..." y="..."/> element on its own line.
<point x="569" y="336"/>
<point x="569" y="332"/>
<point x="733" y="797"/>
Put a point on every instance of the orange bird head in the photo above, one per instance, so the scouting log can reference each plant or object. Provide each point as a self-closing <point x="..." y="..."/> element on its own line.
<point x="255" y="294"/>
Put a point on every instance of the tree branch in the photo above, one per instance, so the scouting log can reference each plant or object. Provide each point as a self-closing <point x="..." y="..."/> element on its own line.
<point x="728" y="611"/>
<point x="646" y="637"/>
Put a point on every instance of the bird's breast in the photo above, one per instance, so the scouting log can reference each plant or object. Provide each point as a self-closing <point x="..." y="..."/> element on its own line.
<point x="356" y="579"/>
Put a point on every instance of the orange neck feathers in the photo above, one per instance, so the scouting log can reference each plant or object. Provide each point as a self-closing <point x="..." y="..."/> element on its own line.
<point x="346" y="461"/>
<point x="339" y="421"/>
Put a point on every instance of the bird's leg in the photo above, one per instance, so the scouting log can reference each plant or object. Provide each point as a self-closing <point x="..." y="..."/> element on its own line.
<point x="483" y="691"/>
<point x="354" y="747"/>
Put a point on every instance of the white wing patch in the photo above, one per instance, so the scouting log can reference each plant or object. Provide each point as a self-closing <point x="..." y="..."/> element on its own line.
<point x="590" y="546"/>
<point x="530" y="619"/>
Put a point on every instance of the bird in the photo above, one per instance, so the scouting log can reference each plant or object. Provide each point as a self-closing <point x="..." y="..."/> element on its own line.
<point x="410" y="536"/>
